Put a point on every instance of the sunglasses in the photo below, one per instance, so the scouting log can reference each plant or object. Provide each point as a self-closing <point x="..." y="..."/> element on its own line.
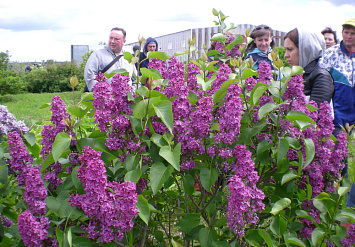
<point x="259" y="28"/>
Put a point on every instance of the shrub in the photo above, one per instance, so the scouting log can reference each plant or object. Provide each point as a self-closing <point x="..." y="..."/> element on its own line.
<point x="11" y="83"/>
<point x="54" y="78"/>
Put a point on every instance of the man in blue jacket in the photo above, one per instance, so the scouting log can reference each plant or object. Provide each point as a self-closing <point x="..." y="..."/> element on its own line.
<point x="340" y="61"/>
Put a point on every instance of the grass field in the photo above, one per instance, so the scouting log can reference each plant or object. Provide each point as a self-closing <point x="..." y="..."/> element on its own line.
<point x="27" y="106"/>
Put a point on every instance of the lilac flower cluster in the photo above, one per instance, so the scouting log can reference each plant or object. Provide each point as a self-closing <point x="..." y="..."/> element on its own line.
<point x="349" y="240"/>
<point x="176" y="75"/>
<point x="49" y="133"/>
<point x="245" y="199"/>
<point x="230" y="115"/>
<point x="110" y="206"/>
<point x="32" y="223"/>
<point x="264" y="72"/>
<point x="32" y="229"/>
<point x="222" y="76"/>
<point x="21" y="161"/>
<point x="6" y="222"/>
<point x="111" y="104"/>
<point x="8" y="122"/>
<point x="234" y="52"/>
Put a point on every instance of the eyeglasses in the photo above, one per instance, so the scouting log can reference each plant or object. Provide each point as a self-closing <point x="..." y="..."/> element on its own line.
<point x="259" y="28"/>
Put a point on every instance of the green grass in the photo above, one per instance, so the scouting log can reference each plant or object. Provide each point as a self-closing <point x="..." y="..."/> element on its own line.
<point x="27" y="106"/>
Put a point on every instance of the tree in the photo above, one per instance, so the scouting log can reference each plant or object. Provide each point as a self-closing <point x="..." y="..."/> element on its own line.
<point x="4" y="60"/>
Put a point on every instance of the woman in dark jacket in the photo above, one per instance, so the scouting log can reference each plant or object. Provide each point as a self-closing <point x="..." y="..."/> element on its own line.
<point x="304" y="49"/>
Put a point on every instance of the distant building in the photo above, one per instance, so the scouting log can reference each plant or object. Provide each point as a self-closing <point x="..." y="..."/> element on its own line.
<point x="177" y="42"/>
<point x="77" y="51"/>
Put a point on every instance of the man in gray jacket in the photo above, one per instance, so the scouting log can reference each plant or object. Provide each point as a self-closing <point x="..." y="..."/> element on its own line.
<point x="99" y="59"/>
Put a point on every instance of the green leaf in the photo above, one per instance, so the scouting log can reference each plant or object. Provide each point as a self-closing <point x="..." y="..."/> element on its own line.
<point x="188" y="222"/>
<point x="310" y="152"/>
<point x="305" y="215"/>
<point x="248" y="73"/>
<point x="30" y="138"/>
<point x="145" y="107"/>
<point x="206" y="237"/>
<point x="222" y="91"/>
<point x="173" y="157"/>
<point x="69" y="237"/>
<point x="81" y="242"/>
<point x="280" y="205"/>
<point x="3" y="175"/>
<point x="133" y="175"/>
<point x="282" y="150"/>
<point x="164" y="111"/>
<point x="296" y="115"/>
<point x="278" y="225"/>
<point x="258" y="90"/>
<point x="159" y="173"/>
<point x="220" y="37"/>
<point x="208" y="177"/>
<point x="317" y="236"/>
<point x="132" y="162"/>
<point x="188" y="184"/>
<point x="143" y="208"/>
<point x="47" y="162"/>
<point x="77" y="111"/>
<point x="266" y="237"/>
<point x="287" y="177"/>
<point x="60" y="144"/>
<point x="60" y="235"/>
<point x="254" y="238"/>
<point x="205" y="84"/>
<point x="291" y="238"/>
<point x="343" y="190"/>
<point x="158" y="55"/>
<point x="297" y="70"/>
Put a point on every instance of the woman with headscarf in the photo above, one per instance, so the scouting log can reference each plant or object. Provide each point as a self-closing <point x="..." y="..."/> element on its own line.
<point x="304" y="49"/>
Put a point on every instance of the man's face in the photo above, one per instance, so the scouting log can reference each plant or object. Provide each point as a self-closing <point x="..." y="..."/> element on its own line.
<point x="329" y="40"/>
<point x="116" y="41"/>
<point x="151" y="47"/>
<point x="349" y="37"/>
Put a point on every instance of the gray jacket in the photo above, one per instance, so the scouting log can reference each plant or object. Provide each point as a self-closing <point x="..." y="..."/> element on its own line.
<point x="98" y="61"/>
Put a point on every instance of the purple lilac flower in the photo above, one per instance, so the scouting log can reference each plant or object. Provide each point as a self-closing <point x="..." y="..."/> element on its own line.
<point x="349" y="240"/>
<point x="264" y="73"/>
<point x="222" y="76"/>
<point x="192" y="71"/>
<point x="250" y="83"/>
<point x="230" y="115"/>
<point x="35" y="192"/>
<point x="176" y="76"/>
<point x="33" y="230"/>
<point x="49" y="133"/>
<point x="21" y="161"/>
<point x="8" y="122"/>
<point x="111" y="104"/>
<point x="295" y="88"/>
<point x="234" y="52"/>
<point x="245" y="199"/>
<point x="6" y="222"/>
<point x="110" y="213"/>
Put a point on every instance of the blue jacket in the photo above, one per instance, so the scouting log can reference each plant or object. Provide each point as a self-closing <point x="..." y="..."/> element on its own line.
<point x="259" y="56"/>
<point x="341" y="66"/>
<point x="143" y="55"/>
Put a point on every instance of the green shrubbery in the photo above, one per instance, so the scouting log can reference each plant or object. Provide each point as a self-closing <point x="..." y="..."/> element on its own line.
<point x="11" y="83"/>
<point x="54" y="78"/>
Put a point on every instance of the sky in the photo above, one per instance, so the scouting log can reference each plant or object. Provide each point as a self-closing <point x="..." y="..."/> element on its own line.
<point x="39" y="30"/>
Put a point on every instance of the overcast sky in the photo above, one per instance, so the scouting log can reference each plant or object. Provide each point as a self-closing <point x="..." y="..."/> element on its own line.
<point x="36" y="30"/>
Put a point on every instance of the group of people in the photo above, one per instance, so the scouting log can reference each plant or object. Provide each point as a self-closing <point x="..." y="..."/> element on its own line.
<point x="329" y="67"/>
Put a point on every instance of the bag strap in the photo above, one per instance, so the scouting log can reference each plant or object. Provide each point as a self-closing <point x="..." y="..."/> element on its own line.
<point x="110" y="64"/>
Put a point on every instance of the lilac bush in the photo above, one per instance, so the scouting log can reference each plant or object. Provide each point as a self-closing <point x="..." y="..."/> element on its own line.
<point x="205" y="152"/>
